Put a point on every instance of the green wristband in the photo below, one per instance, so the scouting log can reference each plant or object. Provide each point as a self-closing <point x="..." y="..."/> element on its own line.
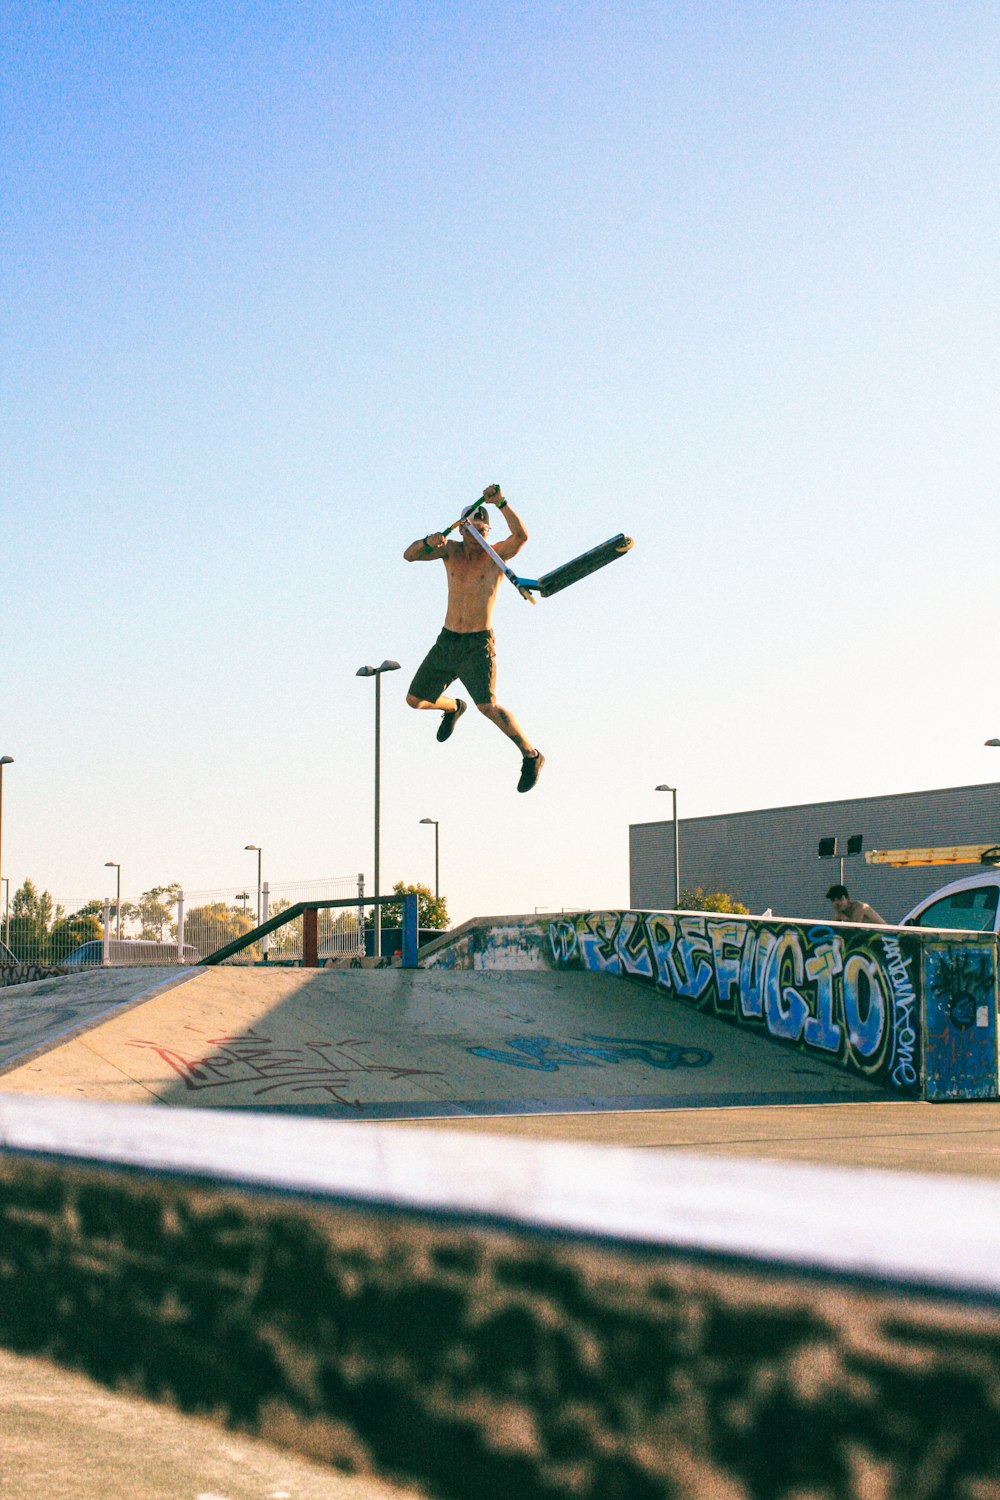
<point x="501" y="503"/>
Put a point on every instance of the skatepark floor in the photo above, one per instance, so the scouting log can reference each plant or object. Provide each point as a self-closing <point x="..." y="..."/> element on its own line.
<point x="64" y="1437"/>
<point x="893" y="1135"/>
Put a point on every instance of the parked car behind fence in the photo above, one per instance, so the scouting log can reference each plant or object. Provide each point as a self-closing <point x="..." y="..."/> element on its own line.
<point x="128" y="951"/>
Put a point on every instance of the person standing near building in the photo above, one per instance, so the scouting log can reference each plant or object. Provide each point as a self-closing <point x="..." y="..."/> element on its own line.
<point x="847" y="910"/>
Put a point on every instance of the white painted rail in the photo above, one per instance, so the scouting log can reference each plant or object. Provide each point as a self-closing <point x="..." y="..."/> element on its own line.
<point x="917" y="1230"/>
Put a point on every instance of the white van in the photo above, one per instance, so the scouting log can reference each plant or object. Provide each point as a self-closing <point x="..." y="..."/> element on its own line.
<point x="127" y="951"/>
<point x="971" y="905"/>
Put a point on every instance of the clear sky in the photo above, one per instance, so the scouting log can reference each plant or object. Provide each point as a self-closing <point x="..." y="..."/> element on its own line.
<point x="285" y="284"/>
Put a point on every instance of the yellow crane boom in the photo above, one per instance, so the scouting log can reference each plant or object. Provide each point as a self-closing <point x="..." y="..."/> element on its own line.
<point x="948" y="854"/>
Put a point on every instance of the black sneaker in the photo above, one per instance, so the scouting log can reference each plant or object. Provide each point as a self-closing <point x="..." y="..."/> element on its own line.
<point x="450" y="718"/>
<point x="531" y="768"/>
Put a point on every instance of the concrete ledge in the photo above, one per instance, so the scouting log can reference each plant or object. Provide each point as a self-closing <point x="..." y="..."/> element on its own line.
<point x="492" y="1318"/>
<point x="916" y="1231"/>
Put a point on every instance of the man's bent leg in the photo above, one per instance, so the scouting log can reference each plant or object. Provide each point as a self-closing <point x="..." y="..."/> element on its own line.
<point x="505" y="721"/>
<point x="532" y="760"/>
<point x="433" y="677"/>
<point x="443" y="704"/>
<point x="451" y="710"/>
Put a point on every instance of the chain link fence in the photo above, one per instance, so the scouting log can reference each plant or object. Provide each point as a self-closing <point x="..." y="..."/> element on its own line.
<point x="169" y="925"/>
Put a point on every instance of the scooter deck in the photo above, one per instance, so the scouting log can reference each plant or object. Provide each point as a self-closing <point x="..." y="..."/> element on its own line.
<point x="582" y="566"/>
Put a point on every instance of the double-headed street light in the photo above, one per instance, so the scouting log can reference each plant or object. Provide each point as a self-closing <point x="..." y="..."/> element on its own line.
<point x="376" y="672"/>
<point x="110" y="864"/>
<point x="677" y="847"/>
<point x="437" y="881"/>
<point x="260" y="888"/>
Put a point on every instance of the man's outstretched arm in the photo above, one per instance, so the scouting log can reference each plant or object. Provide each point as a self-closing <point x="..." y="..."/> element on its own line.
<point x="427" y="548"/>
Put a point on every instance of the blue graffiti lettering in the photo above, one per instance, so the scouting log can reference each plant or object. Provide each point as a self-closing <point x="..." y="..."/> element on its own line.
<point x="864" y="1004"/>
<point x="662" y="934"/>
<point x="598" y="946"/>
<point x="546" y="1054"/>
<point x="691" y="948"/>
<point x="784" y="1008"/>
<point x="562" y="939"/>
<point x="822" y="967"/>
<point x="753" y="971"/>
<point x="633" y="947"/>
<point x="727" y="948"/>
<point x="812" y="986"/>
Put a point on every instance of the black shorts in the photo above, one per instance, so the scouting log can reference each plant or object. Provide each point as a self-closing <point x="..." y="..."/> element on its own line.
<point x="468" y="655"/>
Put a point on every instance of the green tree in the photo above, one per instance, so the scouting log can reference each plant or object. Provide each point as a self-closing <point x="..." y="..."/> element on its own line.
<point x="31" y="912"/>
<point x="156" y="911"/>
<point x="93" y="908"/>
<point x="697" y="899"/>
<point x="214" y="925"/>
<point x="70" y="933"/>
<point x="432" y="911"/>
<point x="43" y="933"/>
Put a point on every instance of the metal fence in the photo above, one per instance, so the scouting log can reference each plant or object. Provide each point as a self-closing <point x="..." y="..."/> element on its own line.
<point x="169" y="925"/>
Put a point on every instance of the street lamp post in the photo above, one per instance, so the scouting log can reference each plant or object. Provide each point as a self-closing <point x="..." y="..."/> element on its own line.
<point x="677" y="847"/>
<point x="376" y="672"/>
<point x="110" y="864"/>
<point x="437" y="868"/>
<point x="260" y="887"/>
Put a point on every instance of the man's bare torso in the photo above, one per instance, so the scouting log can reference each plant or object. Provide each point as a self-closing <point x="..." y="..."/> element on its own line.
<point x="473" y="583"/>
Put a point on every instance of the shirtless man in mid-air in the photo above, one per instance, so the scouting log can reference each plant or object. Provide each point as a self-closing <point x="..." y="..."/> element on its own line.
<point x="465" y="649"/>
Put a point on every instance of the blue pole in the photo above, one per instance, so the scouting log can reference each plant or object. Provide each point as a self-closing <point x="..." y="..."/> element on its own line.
<point x="409" y="930"/>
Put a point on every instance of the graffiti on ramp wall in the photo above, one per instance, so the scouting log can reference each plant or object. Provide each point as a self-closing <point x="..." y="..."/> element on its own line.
<point x="258" y="1066"/>
<point x="546" y="1054"/>
<point x="846" y="995"/>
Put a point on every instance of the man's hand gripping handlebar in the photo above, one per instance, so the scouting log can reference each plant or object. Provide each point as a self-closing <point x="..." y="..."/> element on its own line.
<point x="492" y="495"/>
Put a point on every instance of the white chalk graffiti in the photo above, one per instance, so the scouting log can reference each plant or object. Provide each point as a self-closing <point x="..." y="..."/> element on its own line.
<point x="902" y="1064"/>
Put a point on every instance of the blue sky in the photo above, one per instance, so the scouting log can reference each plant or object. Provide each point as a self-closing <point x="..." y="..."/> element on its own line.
<point x="285" y="285"/>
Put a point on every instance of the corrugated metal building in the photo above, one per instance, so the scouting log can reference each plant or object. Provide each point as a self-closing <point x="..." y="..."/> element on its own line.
<point x="768" y="858"/>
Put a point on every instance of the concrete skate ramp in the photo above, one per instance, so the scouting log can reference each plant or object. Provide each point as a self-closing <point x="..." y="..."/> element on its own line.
<point x="46" y="1012"/>
<point x="398" y="1044"/>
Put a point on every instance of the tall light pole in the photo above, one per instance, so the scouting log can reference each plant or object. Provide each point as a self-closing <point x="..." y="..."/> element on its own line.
<point x="5" y="760"/>
<point x="260" y="888"/>
<point x="376" y="672"/>
<point x="109" y="864"/>
<point x="677" y="848"/>
<point x="437" y="881"/>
